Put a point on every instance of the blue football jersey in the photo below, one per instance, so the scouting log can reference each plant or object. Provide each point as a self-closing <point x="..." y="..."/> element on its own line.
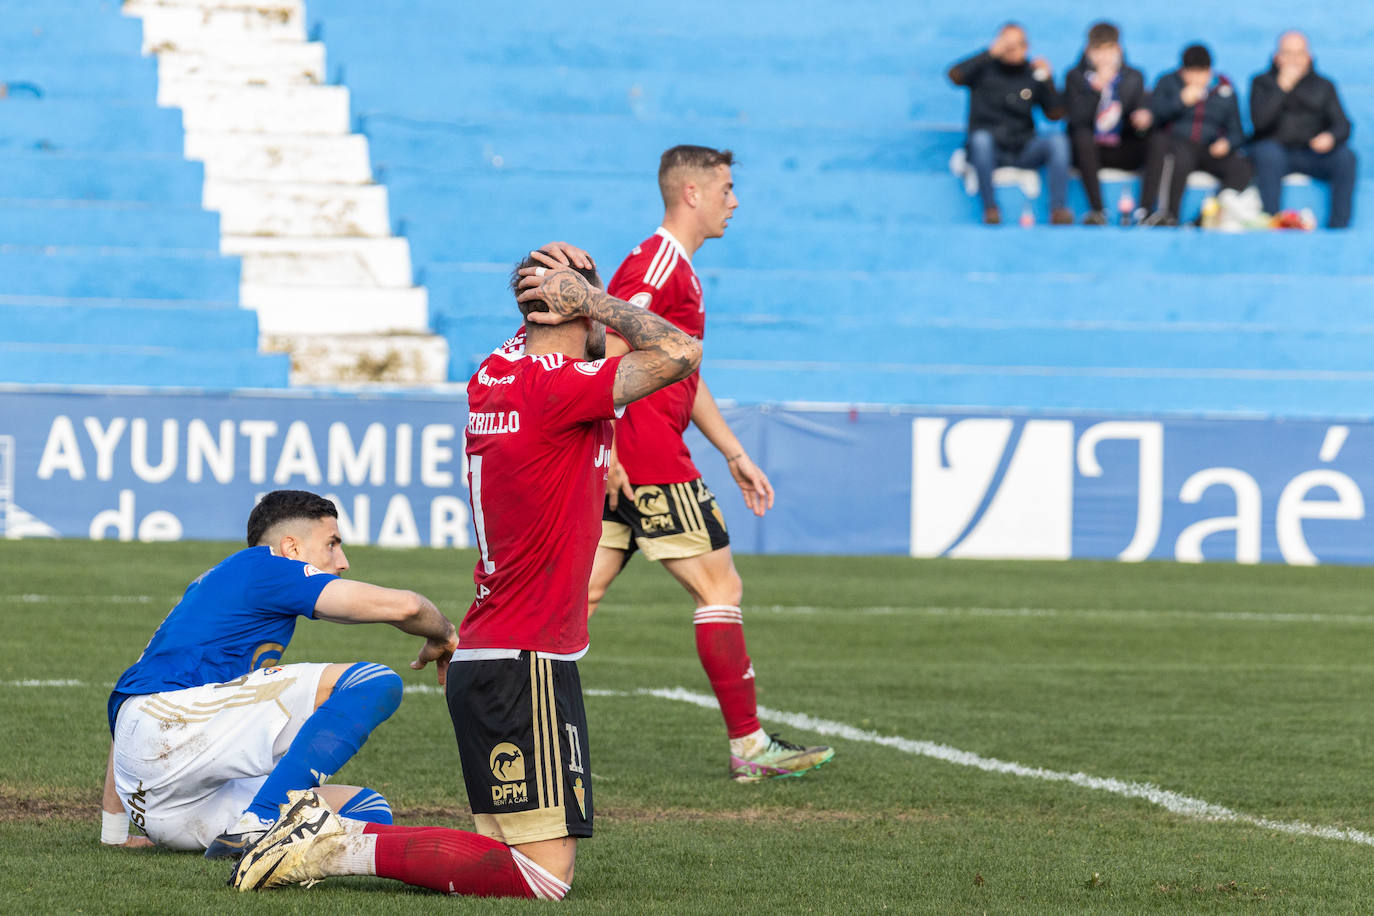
<point x="234" y="618"/>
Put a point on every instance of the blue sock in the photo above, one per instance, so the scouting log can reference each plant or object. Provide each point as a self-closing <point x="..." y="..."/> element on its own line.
<point x="368" y="805"/>
<point x="363" y="698"/>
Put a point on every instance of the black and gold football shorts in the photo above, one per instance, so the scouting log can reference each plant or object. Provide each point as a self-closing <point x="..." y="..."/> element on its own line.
<point x="667" y="521"/>
<point x="522" y="740"/>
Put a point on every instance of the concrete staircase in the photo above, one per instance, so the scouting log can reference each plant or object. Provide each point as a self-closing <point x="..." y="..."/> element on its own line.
<point x="294" y="190"/>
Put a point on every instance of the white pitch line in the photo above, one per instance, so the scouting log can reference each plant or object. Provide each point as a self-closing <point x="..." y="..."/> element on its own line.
<point x="1170" y="801"/>
<point x="1144" y="614"/>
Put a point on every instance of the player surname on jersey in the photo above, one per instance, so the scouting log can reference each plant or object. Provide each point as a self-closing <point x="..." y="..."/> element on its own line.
<point x="490" y="423"/>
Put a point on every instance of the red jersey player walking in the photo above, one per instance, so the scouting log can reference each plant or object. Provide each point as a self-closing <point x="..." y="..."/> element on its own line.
<point x="538" y="447"/>
<point x="656" y="500"/>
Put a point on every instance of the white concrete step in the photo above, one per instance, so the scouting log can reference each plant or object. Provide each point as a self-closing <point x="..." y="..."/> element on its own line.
<point x="272" y="110"/>
<point x="288" y="7"/>
<point x="409" y="359"/>
<point x="246" y="63"/>
<point x="328" y="310"/>
<point x="322" y="262"/>
<point x="304" y="210"/>
<point x="169" y="27"/>
<point x="230" y="156"/>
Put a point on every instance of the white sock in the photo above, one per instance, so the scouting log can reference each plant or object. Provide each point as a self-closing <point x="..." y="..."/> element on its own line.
<point x="356" y="855"/>
<point x="538" y="878"/>
<point x="750" y="744"/>
<point x="250" y="823"/>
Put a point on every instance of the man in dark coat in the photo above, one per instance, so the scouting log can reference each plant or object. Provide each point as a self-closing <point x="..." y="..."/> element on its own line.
<point x="1004" y="88"/>
<point x="1198" y="120"/>
<point x="1108" y="112"/>
<point x="1300" y="126"/>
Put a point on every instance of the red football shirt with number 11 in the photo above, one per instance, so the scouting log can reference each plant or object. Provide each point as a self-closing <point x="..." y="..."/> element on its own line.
<point x="538" y="449"/>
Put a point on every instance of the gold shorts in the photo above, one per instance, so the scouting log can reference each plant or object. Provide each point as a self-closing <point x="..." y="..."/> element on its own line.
<point x="667" y="521"/>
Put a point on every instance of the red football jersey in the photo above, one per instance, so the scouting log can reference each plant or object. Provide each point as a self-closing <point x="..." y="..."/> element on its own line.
<point x="538" y="449"/>
<point x="658" y="276"/>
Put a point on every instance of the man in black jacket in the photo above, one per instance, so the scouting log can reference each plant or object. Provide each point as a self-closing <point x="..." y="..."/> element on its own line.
<point x="1003" y="91"/>
<point x="1300" y="126"/>
<point x="1109" y="114"/>
<point x="1198" y="119"/>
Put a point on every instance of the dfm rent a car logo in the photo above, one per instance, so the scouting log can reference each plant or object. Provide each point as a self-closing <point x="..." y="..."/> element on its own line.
<point x="1005" y="487"/>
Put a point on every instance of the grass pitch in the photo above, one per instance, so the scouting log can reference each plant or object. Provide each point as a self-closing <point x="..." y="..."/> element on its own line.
<point x="1249" y="689"/>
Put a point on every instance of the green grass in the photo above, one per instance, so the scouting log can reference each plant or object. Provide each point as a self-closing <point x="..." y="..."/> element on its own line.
<point x="1186" y="677"/>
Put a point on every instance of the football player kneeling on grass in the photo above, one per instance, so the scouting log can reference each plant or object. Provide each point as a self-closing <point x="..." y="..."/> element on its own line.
<point x="538" y="448"/>
<point x="211" y="731"/>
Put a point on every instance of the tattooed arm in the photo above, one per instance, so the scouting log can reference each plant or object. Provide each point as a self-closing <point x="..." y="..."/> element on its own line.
<point x="660" y="353"/>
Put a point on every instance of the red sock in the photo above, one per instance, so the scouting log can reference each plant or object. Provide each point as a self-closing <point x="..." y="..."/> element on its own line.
<point x="720" y="646"/>
<point x="450" y="861"/>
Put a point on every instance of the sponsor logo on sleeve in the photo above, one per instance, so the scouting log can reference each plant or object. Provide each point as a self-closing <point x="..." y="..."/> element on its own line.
<point x="312" y="570"/>
<point x="589" y="368"/>
<point x="641" y="299"/>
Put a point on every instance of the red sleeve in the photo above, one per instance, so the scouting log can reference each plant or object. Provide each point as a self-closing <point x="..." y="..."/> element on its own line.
<point x="581" y="392"/>
<point x="630" y="280"/>
<point x="631" y="284"/>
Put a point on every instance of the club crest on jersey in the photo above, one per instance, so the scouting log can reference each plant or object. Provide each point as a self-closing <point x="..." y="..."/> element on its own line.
<point x="641" y="299"/>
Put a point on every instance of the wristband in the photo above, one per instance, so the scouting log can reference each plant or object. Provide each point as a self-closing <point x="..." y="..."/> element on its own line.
<point x="114" y="828"/>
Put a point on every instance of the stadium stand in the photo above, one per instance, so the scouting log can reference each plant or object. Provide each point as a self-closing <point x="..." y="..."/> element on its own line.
<point x="494" y="127"/>
<point x="293" y="189"/>
<point x="497" y="126"/>
<point x="110" y="270"/>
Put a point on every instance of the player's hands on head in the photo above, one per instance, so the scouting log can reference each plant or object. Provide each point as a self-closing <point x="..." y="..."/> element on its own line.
<point x="753" y="483"/>
<point x="566" y="293"/>
<point x="566" y="254"/>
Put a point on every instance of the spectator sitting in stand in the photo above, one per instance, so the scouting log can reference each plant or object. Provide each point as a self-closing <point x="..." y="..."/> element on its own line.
<point x="1108" y="113"/>
<point x="1198" y="121"/>
<point x="1004" y="88"/>
<point x="1300" y="126"/>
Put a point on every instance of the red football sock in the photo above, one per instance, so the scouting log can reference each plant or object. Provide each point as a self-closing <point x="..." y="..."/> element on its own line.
<point x="720" y="646"/>
<point x="456" y="862"/>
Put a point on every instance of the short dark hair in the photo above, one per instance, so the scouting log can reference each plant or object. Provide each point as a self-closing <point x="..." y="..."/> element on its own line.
<point x="1103" y="33"/>
<point x="285" y="506"/>
<point x="1197" y="57"/>
<point x="689" y="157"/>
<point x="588" y="273"/>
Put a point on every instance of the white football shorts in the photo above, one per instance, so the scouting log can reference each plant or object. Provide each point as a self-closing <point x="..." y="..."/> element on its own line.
<point x="188" y="762"/>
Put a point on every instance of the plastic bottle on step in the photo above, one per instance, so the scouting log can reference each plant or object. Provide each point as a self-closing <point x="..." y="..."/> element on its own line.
<point x="1125" y="206"/>
<point x="1027" y="217"/>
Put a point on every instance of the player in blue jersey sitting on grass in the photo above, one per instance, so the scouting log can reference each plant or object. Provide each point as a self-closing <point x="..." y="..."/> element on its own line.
<point x="211" y="732"/>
